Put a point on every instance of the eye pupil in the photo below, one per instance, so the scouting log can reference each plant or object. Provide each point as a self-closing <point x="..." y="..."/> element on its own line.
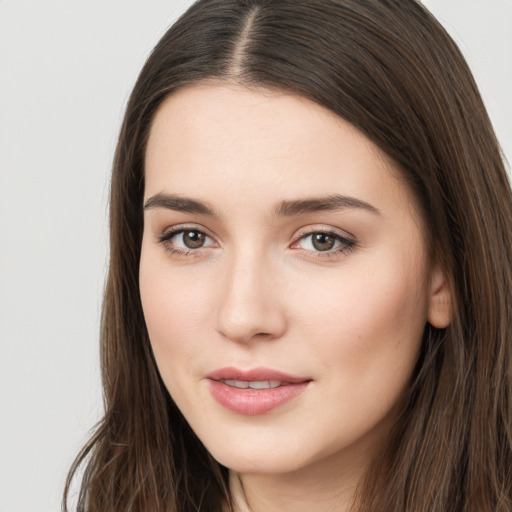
<point x="193" y="239"/>
<point x="323" y="241"/>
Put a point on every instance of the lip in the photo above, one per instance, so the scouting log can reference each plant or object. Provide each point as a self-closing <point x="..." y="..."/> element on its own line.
<point x="253" y="402"/>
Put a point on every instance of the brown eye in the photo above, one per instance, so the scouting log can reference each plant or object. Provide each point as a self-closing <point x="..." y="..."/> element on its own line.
<point x="322" y="241"/>
<point x="185" y="240"/>
<point x="325" y="242"/>
<point x="193" y="239"/>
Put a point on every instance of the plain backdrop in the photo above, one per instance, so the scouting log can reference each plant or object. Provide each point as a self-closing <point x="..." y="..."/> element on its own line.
<point x="66" y="69"/>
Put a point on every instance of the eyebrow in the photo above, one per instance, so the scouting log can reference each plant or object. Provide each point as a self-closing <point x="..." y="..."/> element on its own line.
<point x="286" y="208"/>
<point x="180" y="204"/>
<point x="315" y="204"/>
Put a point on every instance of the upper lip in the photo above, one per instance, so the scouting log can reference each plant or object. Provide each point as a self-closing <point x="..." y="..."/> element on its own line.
<point x="253" y="374"/>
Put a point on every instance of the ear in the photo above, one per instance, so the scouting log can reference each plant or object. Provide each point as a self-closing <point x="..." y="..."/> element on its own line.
<point x="440" y="299"/>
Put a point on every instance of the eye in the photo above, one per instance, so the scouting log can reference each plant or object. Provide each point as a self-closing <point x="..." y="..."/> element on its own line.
<point x="190" y="239"/>
<point x="324" y="241"/>
<point x="184" y="240"/>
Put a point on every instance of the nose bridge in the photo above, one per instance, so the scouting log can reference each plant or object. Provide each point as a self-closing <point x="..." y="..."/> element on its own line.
<point x="249" y="302"/>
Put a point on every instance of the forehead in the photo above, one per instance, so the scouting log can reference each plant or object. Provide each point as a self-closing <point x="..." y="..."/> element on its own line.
<point x="261" y="144"/>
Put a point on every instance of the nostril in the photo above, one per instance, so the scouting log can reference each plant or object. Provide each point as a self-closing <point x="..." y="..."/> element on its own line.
<point x="248" y="325"/>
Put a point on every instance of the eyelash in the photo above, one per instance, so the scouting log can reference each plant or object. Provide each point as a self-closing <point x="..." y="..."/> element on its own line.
<point x="167" y="236"/>
<point x="347" y="244"/>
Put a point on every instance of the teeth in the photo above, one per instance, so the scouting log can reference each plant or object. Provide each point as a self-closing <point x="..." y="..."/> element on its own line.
<point x="264" y="384"/>
<point x="255" y="384"/>
<point x="242" y="384"/>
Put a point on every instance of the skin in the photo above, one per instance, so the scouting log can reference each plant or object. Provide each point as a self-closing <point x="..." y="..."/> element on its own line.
<point x="258" y="293"/>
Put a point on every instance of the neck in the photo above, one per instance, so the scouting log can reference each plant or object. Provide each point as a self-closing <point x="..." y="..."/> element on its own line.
<point x="300" y="491"/>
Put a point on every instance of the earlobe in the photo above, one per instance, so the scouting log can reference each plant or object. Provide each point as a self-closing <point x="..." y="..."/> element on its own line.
<point x="440" y="300"/>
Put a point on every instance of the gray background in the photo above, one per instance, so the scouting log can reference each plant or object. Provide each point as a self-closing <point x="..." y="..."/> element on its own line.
<point x="66" y="69"/>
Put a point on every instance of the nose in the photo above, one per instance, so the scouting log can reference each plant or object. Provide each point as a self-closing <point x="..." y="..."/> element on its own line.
<point x="250" y="305"/>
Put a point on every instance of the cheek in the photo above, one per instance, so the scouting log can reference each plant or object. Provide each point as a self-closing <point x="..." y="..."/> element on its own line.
<point x="364" y="337"/>
<point x="366" y="323"/>
<point x="176" y="311"/>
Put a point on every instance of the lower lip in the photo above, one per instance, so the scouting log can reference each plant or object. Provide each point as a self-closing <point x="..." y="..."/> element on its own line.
<point x="254" y="401"/>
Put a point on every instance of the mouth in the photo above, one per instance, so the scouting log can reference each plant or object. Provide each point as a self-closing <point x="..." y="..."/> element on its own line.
<point x="255" y="384"/>
<point x="256" y="391"/>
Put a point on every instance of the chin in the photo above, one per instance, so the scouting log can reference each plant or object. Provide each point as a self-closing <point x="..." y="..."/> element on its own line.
<point x="260" y="463"/>
<point x="257" y="455"/>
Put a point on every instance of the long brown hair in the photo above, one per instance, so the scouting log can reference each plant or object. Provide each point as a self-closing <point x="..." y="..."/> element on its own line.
<point x="390" y="69"/>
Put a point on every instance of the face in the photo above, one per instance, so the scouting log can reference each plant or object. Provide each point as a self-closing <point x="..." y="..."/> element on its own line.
<point x="284" y="278"/>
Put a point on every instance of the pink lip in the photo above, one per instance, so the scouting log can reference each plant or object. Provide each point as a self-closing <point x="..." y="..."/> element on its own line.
<point x="254" y="401"/>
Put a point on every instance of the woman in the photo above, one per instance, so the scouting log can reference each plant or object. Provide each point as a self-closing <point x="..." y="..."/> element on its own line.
<point x="308" y="301"/>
